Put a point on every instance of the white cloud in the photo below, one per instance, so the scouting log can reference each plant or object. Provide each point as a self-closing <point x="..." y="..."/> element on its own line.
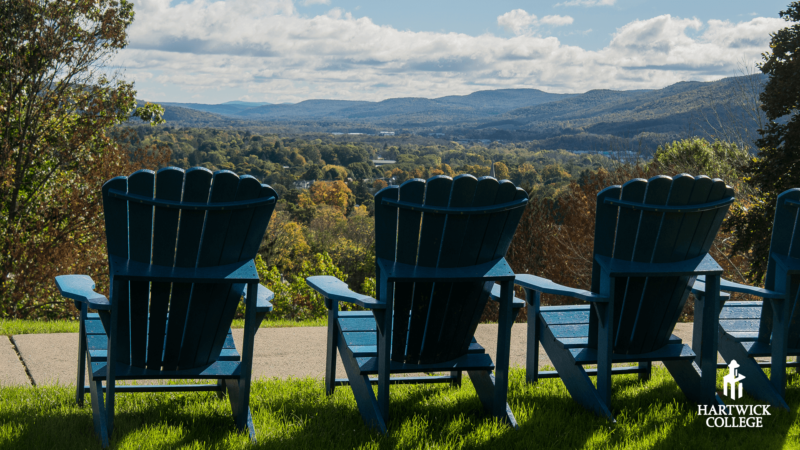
<point x="268" y="50"/>
<point x="316" y="2"/>
<point x="520" y="22"/>
<point x="517" y="21"/>
<point x="587" y="3"/>
<point x="557" y="20"/>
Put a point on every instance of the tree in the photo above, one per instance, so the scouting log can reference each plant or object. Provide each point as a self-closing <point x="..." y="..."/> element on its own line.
<point x="56" y="104"/>
<point x="314" y="172"/>
<point x="331" y="193"/>
<point x="776" y="167"/>
<point x="500" y="171"/>
<point x="718" y="159"/>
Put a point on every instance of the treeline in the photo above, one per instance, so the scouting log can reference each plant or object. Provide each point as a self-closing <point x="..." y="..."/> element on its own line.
<point x="283" y="161"/>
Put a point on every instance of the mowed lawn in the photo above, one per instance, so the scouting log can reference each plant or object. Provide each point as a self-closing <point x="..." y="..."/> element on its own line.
<point x="296" y="413"/>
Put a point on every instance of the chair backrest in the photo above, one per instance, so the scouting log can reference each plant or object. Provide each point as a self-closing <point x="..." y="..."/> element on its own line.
<point x="443" y="222"/>
<point x="659" y="220"/>
<point x="785" y="242"/>
<point x="181" y="219"/>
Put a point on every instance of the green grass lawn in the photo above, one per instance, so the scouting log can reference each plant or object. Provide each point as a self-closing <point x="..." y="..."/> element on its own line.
<point x="296" y="414"/>
<point x="12" y="327"/>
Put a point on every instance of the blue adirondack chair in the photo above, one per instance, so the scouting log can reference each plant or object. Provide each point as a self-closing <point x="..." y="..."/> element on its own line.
<point x="752" y="329"/>
<point x="651" y="242"/>
<point x="440" y="246"/>
<point x="180" y="252"/>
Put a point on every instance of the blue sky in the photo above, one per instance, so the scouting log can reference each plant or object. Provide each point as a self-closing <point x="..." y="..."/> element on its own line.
<point x="288" y="51"/>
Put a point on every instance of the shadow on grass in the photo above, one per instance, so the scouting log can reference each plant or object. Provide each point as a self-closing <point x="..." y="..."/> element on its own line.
<point x="297" y="414"/>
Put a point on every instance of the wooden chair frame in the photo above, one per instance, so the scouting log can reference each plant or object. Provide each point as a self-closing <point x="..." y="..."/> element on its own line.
<point x="132" y="336"/>
<point x="696" y="376"/>
<point x="374" y="351"/>
<point x="766" y="328"/>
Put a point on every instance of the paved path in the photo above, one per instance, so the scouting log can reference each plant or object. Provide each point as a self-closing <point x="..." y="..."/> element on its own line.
<point x="279" y="352"/>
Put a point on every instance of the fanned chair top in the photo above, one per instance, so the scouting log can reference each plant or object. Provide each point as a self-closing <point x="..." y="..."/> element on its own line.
<point x="443" y="223"/>
<point x="181" y="219"/>
<point x="659" y="220"/>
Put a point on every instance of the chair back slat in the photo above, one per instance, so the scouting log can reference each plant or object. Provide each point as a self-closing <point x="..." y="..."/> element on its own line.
<point x="484" y="236"/>
<point x="634" y="316"/>
<point x="259" y="223"/>
<point x="512" y="220"/>
<point x="670" y="234"/>
<point x="647" y="308"/>
<point x="461" y="195"/>
<point x="196" y="188"/>
<point x="224" y="308"/>
<point x="456" y="225"/>
<point x="432" y="320"/>
<point x="116" y="219"/>
<point x="427" y="310"/>
<point x="182" y="325"/>
<point x="140" y="232"/>
<point x="604" y="230"/>
<point x="408" y="224"/>
<point x="785" y="241"/>
<point x="627" y="226"/>
<point x="206" y="297"/>
<point x="169" y="184"/>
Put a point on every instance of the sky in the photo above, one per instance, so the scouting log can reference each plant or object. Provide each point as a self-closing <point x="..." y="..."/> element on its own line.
<point x="287" y="51"/>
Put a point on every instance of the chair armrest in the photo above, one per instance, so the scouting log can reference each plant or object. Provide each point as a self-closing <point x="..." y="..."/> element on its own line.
<point x="725" y="285"/>
<point x="239" y="272"/>
<point x="548" y="287"/>
<point x="262" y="299"/>
<point x="495" y="295"/>
<point x="337" y="290"/>
<point x="81" y="289"/>
<point x="495" y="270"/>
<point x="702" y="265"/>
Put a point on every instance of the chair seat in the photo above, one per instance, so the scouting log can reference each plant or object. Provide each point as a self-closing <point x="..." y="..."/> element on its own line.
<point x="740" y="321"/>
<point x="570" y="327"/>
<point x="358" y="331"/>
<point x="97" y="341"/>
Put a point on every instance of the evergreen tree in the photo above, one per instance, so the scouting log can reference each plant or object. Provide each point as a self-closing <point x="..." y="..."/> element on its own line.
<point x="775" y="168"/>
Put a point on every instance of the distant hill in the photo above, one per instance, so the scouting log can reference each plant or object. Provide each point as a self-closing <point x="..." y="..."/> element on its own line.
<point x="225" y="109"/>
<point x="570" y="121"/>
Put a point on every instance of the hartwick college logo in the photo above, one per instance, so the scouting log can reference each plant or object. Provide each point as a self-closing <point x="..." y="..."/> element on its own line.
<point x="733" y="416"/>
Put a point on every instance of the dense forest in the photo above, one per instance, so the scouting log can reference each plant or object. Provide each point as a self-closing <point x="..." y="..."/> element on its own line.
<point x="284" y="161"/>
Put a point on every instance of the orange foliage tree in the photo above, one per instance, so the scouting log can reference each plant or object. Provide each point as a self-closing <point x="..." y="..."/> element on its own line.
<point x="331" y="193"/>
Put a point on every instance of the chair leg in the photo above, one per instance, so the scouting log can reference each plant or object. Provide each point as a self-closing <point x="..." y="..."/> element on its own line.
<point x="242" y="416"/>
<point x="575" y="379"/>
<point x="485" y="387"/>
<point x="502" y="356"/>
<point x="362" y="391"/>
<point x="99" y="412"/>
<point x="688" y="375"/>
<point x="532" y="354"/>
<point x="457" y="377"/>
<point x="221" y="392"/>
<point x="756" y="382"/>
<point x="79" y="384"/>
<point x="648" y="366"/>
<point x="330" y="354"/>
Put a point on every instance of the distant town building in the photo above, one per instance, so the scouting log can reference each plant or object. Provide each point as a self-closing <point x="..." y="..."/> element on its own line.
<point x="386" y="133"/>
<point x="304" y="184"/>
<point x="383" y="162"/>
